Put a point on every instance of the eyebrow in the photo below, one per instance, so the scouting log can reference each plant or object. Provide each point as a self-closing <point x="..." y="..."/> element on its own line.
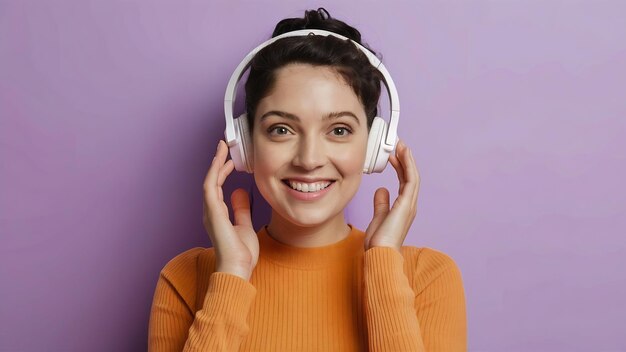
<point x="330" y="116"/>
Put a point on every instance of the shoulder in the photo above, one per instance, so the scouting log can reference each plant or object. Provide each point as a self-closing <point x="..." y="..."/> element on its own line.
<point x="424" y="265"/>
<point x="183" y="270"/>
<point x="427" y="259"/>
<point x="184" y="262"/>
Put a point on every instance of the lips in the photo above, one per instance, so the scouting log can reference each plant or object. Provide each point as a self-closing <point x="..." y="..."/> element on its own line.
<point x="308" y="191"/>
<point x="307" y="187"/>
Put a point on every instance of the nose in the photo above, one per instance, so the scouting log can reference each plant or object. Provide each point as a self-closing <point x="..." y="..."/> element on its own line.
<point x="310" y="153"/>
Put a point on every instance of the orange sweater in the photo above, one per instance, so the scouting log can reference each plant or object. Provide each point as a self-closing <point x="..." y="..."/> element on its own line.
<point x="332" y="298"/>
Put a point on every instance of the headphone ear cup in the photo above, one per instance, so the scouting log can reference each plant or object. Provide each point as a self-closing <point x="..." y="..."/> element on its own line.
<point x="241" y="150"/>
<point x="382" y="157"/>
<point x="374" y="147"/>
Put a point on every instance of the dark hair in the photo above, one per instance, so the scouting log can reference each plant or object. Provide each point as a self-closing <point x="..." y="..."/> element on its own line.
<point x="342" y="55"/>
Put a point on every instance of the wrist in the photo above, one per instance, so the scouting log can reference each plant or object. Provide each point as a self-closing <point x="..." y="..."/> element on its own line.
<point x="375" y="245"/>
<point x="237" y="271"/>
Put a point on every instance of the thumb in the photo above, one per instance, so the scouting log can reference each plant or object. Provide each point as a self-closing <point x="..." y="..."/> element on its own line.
<point x="381" y="208"/>
<point x="381" y="202"/>
<point x="241" y="207"/>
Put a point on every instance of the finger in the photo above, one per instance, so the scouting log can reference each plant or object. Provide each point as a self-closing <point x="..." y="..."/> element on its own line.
<point x="409" y="161"/>
<point x="211" y="176"/>
<point x="399" y="167"/>
<point x="381" y="209"/>
<point x="241" y="207"/>
<point x="222" y="152"/>
<point x="410" y="168"/>
<point x="401" y="154"/>
<point x="414" y="174"/>
<point x="393" y="160"/>
<point x="381" y="202"/>
<point x="405" y="158"/>
<point x="399" y="172"/>
<point x="414" y="169"/>
<point x="225" y="170"/>
<point x="406" y="194"/>
<point x="210" y="181"/>
<point x="412" y="177"/>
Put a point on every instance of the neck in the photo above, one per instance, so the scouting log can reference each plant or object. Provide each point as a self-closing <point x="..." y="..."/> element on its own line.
<point x="327" y="233"/>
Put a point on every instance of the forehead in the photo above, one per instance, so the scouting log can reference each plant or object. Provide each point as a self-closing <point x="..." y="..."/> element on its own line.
<point x="304" y="70"/>
<point x="304" y="89"/>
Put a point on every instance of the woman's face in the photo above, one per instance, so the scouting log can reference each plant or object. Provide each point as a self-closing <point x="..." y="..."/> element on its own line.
<point x="310" y="134"/>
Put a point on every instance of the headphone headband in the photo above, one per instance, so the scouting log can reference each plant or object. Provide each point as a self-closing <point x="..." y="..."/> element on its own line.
<point x="231" y="91"/>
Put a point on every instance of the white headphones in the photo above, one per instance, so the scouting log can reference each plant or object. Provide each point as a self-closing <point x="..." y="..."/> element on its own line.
<point x="382" y="138"/>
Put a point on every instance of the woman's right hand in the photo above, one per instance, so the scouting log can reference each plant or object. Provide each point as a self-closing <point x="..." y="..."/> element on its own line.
<point x="236" y="246"/>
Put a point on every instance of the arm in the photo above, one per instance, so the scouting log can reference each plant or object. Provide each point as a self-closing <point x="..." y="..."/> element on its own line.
<point x="425" y="315"/>
<point x="221" y="322"/>
<point x="220" y="325"/>
<point x="392" y="324"/>
<point x="440" y="302"/>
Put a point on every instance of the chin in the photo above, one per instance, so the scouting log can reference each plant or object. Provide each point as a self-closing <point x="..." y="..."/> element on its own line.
<point x="302" y="218"/>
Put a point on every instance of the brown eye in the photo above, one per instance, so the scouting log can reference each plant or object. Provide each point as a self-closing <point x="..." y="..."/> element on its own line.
<point x="341" y="131"/>
<point x="278" y="130"/>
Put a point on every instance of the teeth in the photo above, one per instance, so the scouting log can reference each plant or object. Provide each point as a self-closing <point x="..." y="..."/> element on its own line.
<point x="308" y="187"/>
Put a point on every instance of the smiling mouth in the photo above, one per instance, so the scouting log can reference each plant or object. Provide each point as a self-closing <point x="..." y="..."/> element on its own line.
<point x="305" y="187"/>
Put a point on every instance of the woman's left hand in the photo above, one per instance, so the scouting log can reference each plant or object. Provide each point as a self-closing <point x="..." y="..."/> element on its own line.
<point x="389" y="227"/>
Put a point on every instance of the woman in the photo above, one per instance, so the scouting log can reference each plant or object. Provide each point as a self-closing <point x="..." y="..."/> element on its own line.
<point x="308" y="280"/>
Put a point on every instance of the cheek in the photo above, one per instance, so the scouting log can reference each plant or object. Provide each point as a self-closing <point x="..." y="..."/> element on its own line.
<point x="263" y="172"/>
<point x="268" y="160"/>
<point x="351" y="161"/>
<point x="266" y="155"/>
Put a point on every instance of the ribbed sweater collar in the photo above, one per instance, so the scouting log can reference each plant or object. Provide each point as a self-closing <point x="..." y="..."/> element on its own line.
<point x="311" y="257"/>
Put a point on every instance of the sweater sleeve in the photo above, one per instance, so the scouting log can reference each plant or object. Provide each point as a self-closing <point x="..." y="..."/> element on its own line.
<point x="440" y="302"/>
<point x="219" y="325"/>
<point x="391" y="321"/>
<point x="426" y="313"/>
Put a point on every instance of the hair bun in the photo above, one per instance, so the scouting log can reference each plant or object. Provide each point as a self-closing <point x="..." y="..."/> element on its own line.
<point x="317" y="19"/>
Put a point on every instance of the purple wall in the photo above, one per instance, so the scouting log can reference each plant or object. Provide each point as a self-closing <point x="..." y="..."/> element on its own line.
<point x="110" y="113"/>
